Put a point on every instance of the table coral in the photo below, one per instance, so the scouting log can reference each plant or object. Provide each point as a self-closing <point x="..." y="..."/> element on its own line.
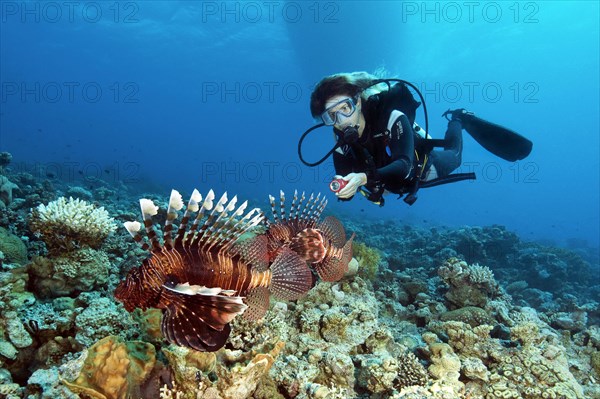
<point x="69" y="224"/>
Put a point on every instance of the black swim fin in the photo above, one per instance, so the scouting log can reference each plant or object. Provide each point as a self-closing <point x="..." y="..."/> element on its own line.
<point x="497" y="139"/>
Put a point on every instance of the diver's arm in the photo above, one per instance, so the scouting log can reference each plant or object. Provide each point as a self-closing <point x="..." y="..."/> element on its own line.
<point x="402" y="147"/>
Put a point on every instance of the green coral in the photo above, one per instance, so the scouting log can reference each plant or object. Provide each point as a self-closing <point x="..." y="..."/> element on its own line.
<point x="368" y="259"/>
<point x="13" y="248"/>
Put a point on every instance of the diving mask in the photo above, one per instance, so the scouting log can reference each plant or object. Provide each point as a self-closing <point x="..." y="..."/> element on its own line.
<point x="345" y="107"/>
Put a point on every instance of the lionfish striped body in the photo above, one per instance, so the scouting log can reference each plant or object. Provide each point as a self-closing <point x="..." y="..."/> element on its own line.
<point x="207" y="276"/>
<point x="322" y="244"/>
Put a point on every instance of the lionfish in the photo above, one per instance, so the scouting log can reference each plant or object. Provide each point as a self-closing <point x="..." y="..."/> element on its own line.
<point x="207" y="275"/>
<point x="322" y="244"/>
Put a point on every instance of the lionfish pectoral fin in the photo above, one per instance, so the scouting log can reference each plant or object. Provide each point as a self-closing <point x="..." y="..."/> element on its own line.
<point x="258" y="304"/>
<point x="192" y="333"/>
<point x="255" y="251"/>
<point x="199" y="321"/>
<point x="292" y="278"/>
<point x="333" y="230"/>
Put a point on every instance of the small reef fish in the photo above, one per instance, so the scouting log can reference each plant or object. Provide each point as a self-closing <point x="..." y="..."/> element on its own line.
<point x="206" y="276"/>
<point x="322" y="244"/>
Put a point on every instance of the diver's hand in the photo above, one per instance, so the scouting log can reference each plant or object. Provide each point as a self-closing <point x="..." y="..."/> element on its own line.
<point x="355" y="180"/>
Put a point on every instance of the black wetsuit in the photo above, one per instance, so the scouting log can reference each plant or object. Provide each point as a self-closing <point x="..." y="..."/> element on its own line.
<point x="388" y="157"/>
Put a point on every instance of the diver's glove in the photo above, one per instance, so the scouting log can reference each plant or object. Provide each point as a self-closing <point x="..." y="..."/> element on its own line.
<point x="355" y="180"/>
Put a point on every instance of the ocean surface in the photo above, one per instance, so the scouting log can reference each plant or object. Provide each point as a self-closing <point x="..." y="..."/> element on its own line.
<point x="117" y="100"/>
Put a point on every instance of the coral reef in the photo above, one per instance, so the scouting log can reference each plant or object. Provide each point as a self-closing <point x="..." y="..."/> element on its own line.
<point x="6" y="191"/>
<point x="432" y="313"/>
<point x="80" y="270"/>
<point x="70" y="224"/>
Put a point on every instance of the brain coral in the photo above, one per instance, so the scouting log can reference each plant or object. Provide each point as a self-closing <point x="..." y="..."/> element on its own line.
<point x="13" y="248"/>
<point x="72" y="223"/>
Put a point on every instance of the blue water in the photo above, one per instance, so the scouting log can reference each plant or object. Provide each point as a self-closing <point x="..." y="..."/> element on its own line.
<point x="212" y="94"/>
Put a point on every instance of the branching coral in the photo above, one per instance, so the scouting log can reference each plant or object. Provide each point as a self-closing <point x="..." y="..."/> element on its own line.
<point x="469" y="285"/>
<point x="70" y="224"/>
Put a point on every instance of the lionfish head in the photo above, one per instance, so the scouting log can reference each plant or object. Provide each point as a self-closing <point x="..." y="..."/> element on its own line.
<point x="132" y="292"/>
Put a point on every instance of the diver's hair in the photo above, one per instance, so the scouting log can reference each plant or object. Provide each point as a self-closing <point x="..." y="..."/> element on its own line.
<point x="342" y="84"/>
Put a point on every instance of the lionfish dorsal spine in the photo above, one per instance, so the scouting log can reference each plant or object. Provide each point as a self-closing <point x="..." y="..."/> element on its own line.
<point x="313" y="212"/>
<point x="307" y="208"/>
<point x="237" y="229"/>
<point x="175" y="204"/>
<point x="192" y="207"/>
<point x="273" y="210"/>
<point x="218" y="230"/>
<point x="297" y="212"/>
<point x="320" y="208"/>
<point x="207" y="205"/>
<point x="282" y="204"/>
<point x="209" y="225"/>
<point x="293" y="206"/>
<point x="229" y="229"/>
<point x="134" y="230"/>
<point x="149" y="210"/>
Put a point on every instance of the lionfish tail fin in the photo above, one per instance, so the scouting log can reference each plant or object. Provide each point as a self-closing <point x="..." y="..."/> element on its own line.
<point x="292" y="278"/>
<point x="335" y="264"/>
<point x="347" y="252"/>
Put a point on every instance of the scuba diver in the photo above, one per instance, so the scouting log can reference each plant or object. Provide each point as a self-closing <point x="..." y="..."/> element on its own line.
<point x="380" y="148"/>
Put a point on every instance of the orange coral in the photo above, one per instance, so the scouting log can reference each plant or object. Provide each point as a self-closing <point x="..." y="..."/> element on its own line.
<point x="114" y="369"/>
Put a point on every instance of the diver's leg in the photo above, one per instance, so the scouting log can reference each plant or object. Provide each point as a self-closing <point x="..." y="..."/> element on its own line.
<point x="450" y="158"/>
